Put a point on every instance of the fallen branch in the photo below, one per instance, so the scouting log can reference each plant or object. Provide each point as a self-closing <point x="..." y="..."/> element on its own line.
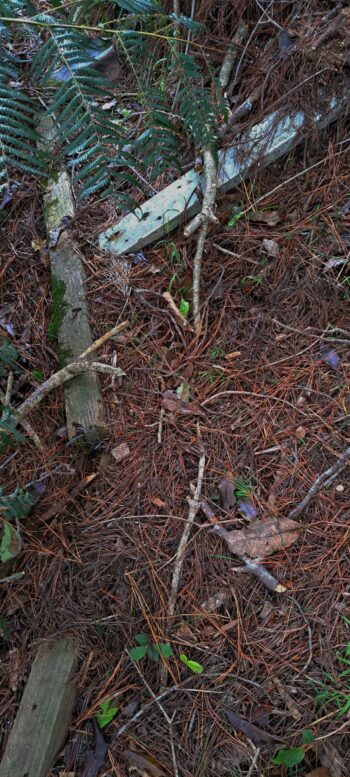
<point x="58" y="379"/>
<point x="253" y="567"/>
<point x="204" y="218"/>
<point x="78" y="367"/>
<point x="231" y="55"/>
<point x="325" y="479"/>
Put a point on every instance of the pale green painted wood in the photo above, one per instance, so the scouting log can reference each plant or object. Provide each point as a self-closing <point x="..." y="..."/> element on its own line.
<point x="44" y="714"/>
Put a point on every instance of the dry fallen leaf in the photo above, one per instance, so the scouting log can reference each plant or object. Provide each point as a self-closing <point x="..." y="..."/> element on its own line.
<point x="145" y="764"/>
<point x="260" y="715"/>
<point x="330" y="758"/>
<point x="121" y="452"/>
<point x="227" y="492"/>
<point x="321" y="771"/>
<point x="158" y="502"/>
<point x="300" y="432"/>
<point x="216" y="601"/>
<point x="38" y="243"/>
<point x="261" y="538"/>
<point x="269" y="217"/>
<point x="96" y="756"/>
<point x="172" y="403"/>
<point x="271" y="247"/>
<point x="289" y="702"/>
<point x="254" y="733"/>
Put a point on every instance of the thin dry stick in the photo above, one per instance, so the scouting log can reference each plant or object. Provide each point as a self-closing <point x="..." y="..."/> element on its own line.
<point x="254" y="760"/>
<point x="164" y="713"/>
<point x="325" y="479"/>
<point x="101" y="340"/>
<point x="194" y="505"/>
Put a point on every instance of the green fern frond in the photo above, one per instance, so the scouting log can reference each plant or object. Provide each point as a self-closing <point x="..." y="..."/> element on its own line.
<point x="9" y="434"/>
<point x="17" y="134"/>
<point x="87" y="134"/>
<point x="195" y="103"/>
<point x="8" y="359"/>
<point x="139" y="6"/>
<point x="15" y="505"/>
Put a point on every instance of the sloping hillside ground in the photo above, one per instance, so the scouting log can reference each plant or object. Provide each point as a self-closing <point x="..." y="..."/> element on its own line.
<point x="265" y="394"/>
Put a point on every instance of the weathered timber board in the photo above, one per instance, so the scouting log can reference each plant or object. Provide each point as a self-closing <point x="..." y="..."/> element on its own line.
<point x="181" y="200"/>
<point x="83" y="398"/>
<point x="44" y="714"/>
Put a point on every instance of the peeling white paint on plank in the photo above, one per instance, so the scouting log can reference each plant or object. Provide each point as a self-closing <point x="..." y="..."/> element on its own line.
<point x="181" y="200"/>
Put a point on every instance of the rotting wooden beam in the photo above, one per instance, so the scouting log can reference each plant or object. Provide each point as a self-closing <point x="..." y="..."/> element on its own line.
<point x="83" y="398"/>
<point x="181" y="200"/>
<point x="44" y="714"/>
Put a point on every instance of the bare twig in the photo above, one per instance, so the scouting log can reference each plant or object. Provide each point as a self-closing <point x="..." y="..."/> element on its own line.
<point x="194" y="505"/>
<point x="325" y="479"/>
<point x="160" y="426"/>
<point x="164" y="713"/>
<point x="7" y="397"/>
<point x="144" y="709"/>
<point x="101" y="340"/>
<point x="254" y="760"/>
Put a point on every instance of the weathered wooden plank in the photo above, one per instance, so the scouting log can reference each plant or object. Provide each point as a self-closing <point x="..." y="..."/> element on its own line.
<point x="44" y="713"/>
<point x="181" y="200"/>
<point x="83" y="398"/>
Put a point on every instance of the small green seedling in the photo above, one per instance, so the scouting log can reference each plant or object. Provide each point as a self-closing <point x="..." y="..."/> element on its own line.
<point x="235" y="218"/>
<point x="38" y="375"/>
<point x="294" y="755"/>
<point x="194" y="666"/>
<point x="184" y="307"/>
<point x="106" y="713"/>
<point x="152" y="650"/>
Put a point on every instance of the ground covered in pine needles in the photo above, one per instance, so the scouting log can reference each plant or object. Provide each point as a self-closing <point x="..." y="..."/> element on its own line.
<point x="264" y="393"/>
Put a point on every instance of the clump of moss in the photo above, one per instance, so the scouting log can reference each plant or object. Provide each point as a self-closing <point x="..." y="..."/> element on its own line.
<point x="58" y="308"/>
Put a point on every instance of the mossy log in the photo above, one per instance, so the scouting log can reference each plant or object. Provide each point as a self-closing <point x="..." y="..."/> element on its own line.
<point x="44" y="714"/>
<point x="69" y="320"/>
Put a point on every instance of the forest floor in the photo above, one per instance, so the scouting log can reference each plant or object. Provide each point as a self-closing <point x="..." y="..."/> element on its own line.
<point x="263" y="392"/>
<point x="271" y="409"/>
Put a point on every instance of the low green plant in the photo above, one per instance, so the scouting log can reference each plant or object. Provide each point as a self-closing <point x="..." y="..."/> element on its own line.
<point x="153" y="650"/>
<point x="8" y="359"/>
<point x="336" y="690"/>
<point x="243" y="489"/>
<point x="236" y="216"/>
<point x="184" y="307"/>
<point x="254" y="279"/>
<point x="38" y="375"/>
<point x="106" y="713"/>
<point x="194" y="666"/>
<point x="294" y="755"/>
